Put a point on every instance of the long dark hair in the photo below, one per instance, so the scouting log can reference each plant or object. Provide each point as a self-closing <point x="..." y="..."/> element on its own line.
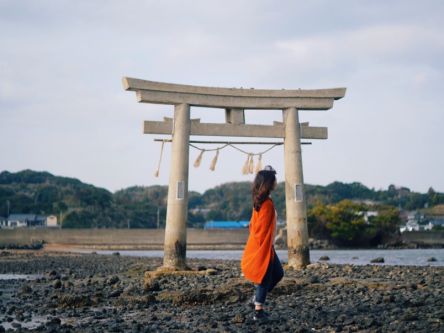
<point x="262" y="186"/>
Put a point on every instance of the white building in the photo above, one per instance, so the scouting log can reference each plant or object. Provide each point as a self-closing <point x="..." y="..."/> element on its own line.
<point x="411" y="225"/>
<point x="51" y="221"/>
<point x="413" y="222"/>
<point x="368" y="215"/>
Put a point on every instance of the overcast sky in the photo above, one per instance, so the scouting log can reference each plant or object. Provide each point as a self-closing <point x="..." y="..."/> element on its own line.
<point x="63" y="108"/>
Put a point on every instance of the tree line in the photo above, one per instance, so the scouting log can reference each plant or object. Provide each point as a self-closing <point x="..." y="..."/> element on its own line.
<point x="336" y="211"/>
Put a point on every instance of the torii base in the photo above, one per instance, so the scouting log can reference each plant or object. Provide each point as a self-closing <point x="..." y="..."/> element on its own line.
<point x="299" y="257"/>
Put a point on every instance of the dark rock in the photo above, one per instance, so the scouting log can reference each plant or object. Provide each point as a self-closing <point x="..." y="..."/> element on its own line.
<point x="116" y="253"/>
<point x="115" y="293"/>
<point x="388" y="298"/>
<point x="113" y="280"/>
<point x="377" y="260"/>
<point x="53" y="275"/>
<point x="324" y="258"/>
<point x="57" y="284"/>
<point x="16" y="325"/>
<point x="238" y="318"/>
<point x="410" y="316"/>
<point x="53" y="321"/>
<point x="432" y="259"/>
<point x="70" y="301"/>
<point x="153" y="286"/>
<point x="25" y="289"/>
<point x="314" y="279"/>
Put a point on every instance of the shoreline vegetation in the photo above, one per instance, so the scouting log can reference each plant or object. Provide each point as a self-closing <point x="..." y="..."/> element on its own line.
<point x="69" y="292"/>
<point x="344" y="214"/>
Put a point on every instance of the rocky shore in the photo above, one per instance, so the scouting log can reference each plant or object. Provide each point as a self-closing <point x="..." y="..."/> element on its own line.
<point x="98" y="293"/>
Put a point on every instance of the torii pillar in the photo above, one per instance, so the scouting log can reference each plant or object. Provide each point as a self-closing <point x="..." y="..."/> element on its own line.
<point x="177" y="207"/>
<point x="296" y="207"/>
<point x="234" y="101"/>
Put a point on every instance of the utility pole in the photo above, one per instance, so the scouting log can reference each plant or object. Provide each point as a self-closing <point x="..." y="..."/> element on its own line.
<point x="158" y="217"/>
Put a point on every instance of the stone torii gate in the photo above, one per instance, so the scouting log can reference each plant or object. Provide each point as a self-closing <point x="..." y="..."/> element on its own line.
<point x="234" y="101"/>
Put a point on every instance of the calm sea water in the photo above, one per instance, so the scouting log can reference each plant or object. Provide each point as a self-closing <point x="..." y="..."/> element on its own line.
<point x="20" y="276"/>
<point x="416" y="257"/>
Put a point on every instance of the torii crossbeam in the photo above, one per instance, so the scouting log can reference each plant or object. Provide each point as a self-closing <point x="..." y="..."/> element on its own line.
<point x="234" y="101"/>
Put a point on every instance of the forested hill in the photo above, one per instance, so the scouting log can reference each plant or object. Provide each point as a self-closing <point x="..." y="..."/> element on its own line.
<point x="82" y="205"/>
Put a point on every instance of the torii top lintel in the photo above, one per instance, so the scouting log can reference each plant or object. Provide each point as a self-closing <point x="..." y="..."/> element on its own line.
<point x="235" y="98"/>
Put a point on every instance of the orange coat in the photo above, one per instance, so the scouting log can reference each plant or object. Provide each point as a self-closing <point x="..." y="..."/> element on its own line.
<point x="259" y="251"/>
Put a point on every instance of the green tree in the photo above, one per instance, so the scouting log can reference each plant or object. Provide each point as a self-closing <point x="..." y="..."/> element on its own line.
<point x="344" y="223"/>
<point x="82" y="219"/>
<point x="383" y="226"/>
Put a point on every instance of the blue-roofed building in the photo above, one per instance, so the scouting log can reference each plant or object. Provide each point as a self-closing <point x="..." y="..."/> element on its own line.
<point x="226" y="224"/>
<point x="25" y="220"/>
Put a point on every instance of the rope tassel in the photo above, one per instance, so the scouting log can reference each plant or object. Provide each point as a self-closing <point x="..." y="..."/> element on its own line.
<point x="156" y="174"/>
<point x="251" y="165"/>
<point x="214" y="161"/>
<point x="199" y="159"/>
<point x="246" y="166"/>
<point x="259" y="164"/>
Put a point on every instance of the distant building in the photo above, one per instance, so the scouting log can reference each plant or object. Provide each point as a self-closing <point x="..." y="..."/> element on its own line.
<point x="367" y="202"/>
<point x="51" y="221"/>
<point x="434" y="222"/>
<point x="426" y="219"/>
<point x="410" y="226"/>
<point x="226" y="224"/>
<point x="203" y="211"/>
<point x="368" y="215"/>
<point x="415" y="222"/>
<point x="435" y="216"/>
<point x="3" y="222"/>
<point x="25" y="220"/>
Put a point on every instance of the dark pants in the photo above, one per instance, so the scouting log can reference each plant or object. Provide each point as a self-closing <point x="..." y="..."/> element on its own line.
<point x="273" y="275"/>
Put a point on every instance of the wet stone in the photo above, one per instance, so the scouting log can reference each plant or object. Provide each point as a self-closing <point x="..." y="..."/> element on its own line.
<point x="57" y="284"/>
<point x="377" y="260"/>
<point x="113" y="280"/>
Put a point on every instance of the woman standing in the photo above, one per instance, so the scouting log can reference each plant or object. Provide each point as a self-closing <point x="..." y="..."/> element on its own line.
<point x="260" y="263"/>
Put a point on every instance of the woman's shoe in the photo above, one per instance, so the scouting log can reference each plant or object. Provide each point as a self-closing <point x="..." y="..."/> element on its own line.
<point x="260" y="315"/>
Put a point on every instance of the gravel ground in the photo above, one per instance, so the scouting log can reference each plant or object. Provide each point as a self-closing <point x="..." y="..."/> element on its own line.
<point x="108" y="293"/>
